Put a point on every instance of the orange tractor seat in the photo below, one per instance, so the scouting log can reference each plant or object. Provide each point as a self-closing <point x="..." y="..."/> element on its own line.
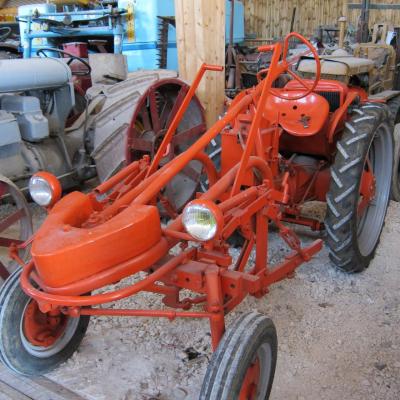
<point x="64" y="252"/>
<point x="303" y="117"/>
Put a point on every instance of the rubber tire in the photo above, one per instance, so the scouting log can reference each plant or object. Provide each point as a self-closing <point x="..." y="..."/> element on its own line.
<point x="394" y="106"/>
<point x="231" y="360"/>
<point x="341" y="216"/>
<point x="12" y="352"/>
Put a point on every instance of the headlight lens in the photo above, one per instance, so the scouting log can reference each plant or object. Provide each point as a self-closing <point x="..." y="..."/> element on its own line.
<point x="40" y="191"/>
<point x="201" y="221"/>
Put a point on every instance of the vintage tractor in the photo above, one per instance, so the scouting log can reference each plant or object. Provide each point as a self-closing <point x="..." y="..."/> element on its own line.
<point x="373" y="66"/>
<point x="281" y="147"/>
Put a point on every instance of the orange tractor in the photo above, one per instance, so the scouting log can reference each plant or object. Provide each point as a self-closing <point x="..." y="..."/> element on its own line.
<point x="312" y="140"/>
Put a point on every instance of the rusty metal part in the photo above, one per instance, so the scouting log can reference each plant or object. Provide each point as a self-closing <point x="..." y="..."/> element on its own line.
<point x="162" y="40"/>
<point x="15" y="225"/>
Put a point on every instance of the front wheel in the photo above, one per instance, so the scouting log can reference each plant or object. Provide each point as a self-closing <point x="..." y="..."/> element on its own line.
<point x="31" y="342"/>
<point x="243" y="366"/>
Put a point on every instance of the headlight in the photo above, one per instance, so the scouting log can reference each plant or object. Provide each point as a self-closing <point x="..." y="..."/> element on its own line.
<point x="202" y="219"/>
<point x="45" y="189"/>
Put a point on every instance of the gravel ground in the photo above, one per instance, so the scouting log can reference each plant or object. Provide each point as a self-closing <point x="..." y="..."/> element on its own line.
<point x="339" y="337"/>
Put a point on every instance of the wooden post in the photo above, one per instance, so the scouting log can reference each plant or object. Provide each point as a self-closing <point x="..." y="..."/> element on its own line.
<point x="200" y="30"/>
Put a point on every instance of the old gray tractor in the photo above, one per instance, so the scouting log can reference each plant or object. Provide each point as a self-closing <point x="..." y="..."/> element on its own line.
<point x="123" y="119"/>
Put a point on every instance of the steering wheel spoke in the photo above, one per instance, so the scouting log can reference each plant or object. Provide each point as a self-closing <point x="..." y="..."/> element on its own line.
<point x="298" y="79"/>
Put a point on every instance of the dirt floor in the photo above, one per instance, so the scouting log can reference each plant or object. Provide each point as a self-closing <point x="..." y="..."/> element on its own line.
<point x="339" y="338"/>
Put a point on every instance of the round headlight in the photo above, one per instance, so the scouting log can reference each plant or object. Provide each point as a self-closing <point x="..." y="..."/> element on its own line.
<point x="202" y="219"/>
<point x="45" y="189"/>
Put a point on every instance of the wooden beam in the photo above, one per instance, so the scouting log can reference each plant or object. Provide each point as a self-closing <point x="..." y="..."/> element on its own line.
<point x="200" y="29"/>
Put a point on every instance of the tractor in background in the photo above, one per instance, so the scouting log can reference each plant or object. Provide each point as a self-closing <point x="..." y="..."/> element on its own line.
<point x="372" y="66"/>
<point x="120" y="122"/>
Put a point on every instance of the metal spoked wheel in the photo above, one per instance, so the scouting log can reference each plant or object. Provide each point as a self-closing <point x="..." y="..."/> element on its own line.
<point x="152" y="117"/>
<point x="360" y="188"/>
<point x="243" y="366"/>
<point x="31" y="342"/>
<point x="15" y="222"/>
<point x="394" y="107"/>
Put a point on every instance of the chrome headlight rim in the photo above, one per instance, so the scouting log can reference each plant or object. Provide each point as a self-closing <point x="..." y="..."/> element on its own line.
<point x="200" y="230"/>
<point x="45" y="189"/>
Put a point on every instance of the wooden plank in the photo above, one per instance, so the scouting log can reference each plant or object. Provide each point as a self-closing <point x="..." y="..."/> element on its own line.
<point x="38" y="388"/>
<point x="200" y="29"/>
<point x="8" y="393"/>
<point x="271" y="18"/>
<point x="375" y="6"/>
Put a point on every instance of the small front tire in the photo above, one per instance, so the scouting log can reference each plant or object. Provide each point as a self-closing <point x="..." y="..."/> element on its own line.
<point x="55" y="337"/>
<point x="243" y="366"/>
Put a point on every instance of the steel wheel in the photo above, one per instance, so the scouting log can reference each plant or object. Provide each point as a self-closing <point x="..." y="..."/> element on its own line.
<point x="44" y="335"/>
<point x="31" y="342"/>
<point x="254" y="387"/>
<point x="154" y="113"/>
<point x="243" y="366"/>
<point x="15" y="223"/>
<point x="374" y="190"/>
<point x="394" y="107"/>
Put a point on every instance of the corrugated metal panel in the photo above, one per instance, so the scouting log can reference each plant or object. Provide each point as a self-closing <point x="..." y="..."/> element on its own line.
<point x="17" y="3"/>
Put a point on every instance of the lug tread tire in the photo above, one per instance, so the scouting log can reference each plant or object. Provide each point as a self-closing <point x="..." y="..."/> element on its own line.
<point x="230" y="361"/>
<point x="343" y="194"/>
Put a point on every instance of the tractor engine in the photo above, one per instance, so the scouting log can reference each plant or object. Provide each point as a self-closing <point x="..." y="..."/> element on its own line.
<point x="36" y="98"/>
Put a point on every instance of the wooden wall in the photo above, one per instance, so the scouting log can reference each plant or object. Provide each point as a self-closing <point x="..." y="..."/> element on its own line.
<point x="272" y="18"/>
<point x="376" y="16"/>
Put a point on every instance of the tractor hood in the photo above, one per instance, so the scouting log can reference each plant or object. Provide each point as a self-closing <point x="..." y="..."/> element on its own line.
<point x="64" y="252"/>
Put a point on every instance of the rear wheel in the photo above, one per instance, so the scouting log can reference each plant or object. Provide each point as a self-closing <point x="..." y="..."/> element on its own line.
<point x="31" y="342"/>
<point x="243" y="366"/>
<point x="394" y="106"/>
<point x="154" y="113"/>
<point x="15" y="223"/>
<point x="360" y="188"/>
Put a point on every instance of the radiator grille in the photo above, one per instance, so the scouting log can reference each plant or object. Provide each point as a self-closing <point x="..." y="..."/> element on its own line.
<point x="333" y="99"/>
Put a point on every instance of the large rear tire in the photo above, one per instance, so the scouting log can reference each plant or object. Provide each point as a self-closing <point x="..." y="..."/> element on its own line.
<point x="394" y="106"/>
<point x="360" y="188"/>
<point x="243" y="366"/>
<point x="56" y="337"/>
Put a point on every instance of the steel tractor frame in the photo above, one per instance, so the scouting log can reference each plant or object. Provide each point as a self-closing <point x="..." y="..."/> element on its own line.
<point x="280" y="147"/>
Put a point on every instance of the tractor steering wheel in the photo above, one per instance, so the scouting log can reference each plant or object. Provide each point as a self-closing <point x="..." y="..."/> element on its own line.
<point x="5" y="32"/>
<point x="72" y="57"/>
<point x="286" y="68"/>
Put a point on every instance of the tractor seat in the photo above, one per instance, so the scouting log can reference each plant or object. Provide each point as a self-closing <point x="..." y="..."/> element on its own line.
<point x="304" y="117"/>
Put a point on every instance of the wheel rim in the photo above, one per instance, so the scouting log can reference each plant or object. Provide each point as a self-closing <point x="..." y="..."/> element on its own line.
<point x="154" y="113"/>
<point x="15" y="226"/>
<point x="44" y="335"/>
<point x="256" y="380"/>
<point x="373" y="201"/>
